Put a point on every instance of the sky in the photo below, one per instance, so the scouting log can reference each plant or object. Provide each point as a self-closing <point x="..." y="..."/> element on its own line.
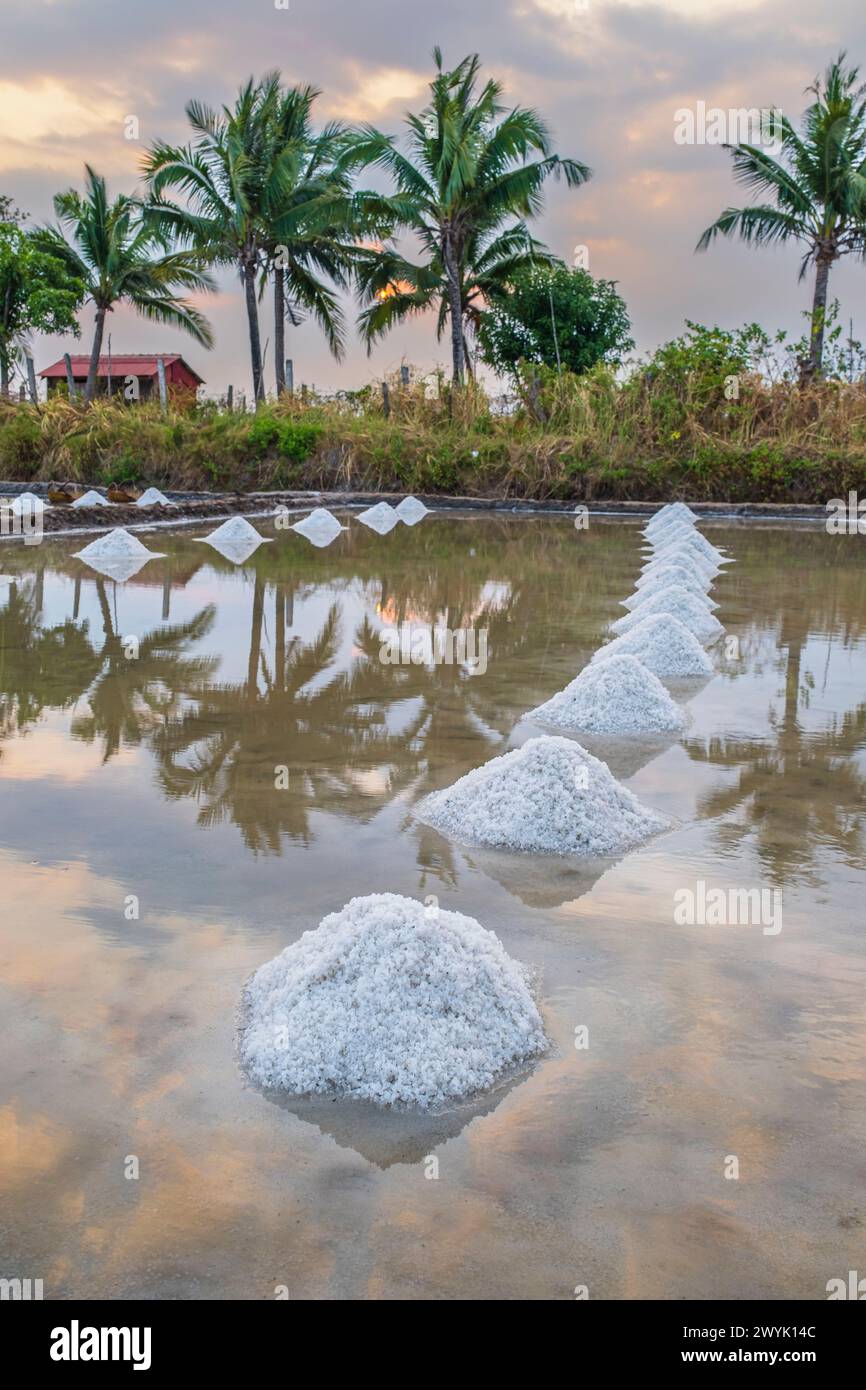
<point x="608" y="77"/>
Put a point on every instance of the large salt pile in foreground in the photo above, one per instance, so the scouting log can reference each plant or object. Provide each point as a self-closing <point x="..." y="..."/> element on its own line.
<point x="319" y="528"/>
<point x="691" y="611"/>
<point x="663" y="644"/>
<point x="617" y="695"/>
<point x="392" y="1002"/>
<point x="550" y="796"/>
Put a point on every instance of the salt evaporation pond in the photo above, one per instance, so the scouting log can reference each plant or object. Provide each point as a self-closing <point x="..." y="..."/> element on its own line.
<point x="256" y="768"/>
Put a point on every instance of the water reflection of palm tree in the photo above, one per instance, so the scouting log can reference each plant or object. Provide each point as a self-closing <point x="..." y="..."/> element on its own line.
<point x="40" y="667"/>
<point x="134" y="694"/>
<point x="802" y="790"/>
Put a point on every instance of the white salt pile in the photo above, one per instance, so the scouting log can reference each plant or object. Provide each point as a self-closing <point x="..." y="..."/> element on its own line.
<point x="382" y="518"/>
<point x="320" y="528"/>
<point x="550" y="796"/>
<point x="152" y="497"/>
<point x="691" y="611"/>
<point x="703" y="568"/>
<point x="411" y="511"/>
<point x="617" y="695"/>
<point x="236" y="539"/>
<point x="674" y="511"/>
<point x="663" y="575"/>
<point x="692" y="540"/>
<point x="91" y="499"/>
<point x="114" y="545"/>
<point x="117" y="554"/>
<point x="663" y="644"/>
<point x="27" y="501"/>
<point x="392" y="1002"/>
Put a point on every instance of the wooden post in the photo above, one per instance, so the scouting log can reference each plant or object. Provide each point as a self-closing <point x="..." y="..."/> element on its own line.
<point x="404" y="375"/>
<point x="31" y="380"/>
<point x="290" y="376"/>
<point x="230" y="399"/>
<point x="163" y="389"/>
<point x="22" y="392"/>
<point x="70" y="379"/>
<point x="386" y="400"/>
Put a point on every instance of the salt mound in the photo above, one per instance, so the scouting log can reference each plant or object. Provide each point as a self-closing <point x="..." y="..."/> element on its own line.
<point x="663" y="575"/>
<point x="615" y="696"/>
<point x="235" y="532"/>
<point x="320" y="527"/>
<point x="27" y="501"/>
<point x="382" y="518"/>
<point x="152" y="497"/>
<point x="549" y="796"/>
<point x="91" y="499"/>
<point x="674" y="511"/>
<point x="666" y="532"/>
<point x="118" y="555"/>
<point x="703" y="568"/>
<point x="663" y="644"/>
<point x="692" y="540"/>
<point x="390" y="1002"/>
<point x="411" y="511"/>
<point x="691" y="611"/>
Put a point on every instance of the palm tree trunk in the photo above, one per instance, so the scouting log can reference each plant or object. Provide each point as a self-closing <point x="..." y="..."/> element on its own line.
<point x="92" y="370"/>
<point x="455" y="307"/>
<point x="253" y="322"/>
<point x="280" y="329"/>
<point x="4" y="375"/>
<point x="819" y="314"/>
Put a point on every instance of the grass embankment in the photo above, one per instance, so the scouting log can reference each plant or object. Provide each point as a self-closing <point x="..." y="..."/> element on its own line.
<point x="582" y="439"/>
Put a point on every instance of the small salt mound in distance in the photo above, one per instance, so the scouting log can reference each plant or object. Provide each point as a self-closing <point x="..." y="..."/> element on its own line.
<point x="680" y="554"/>
<point x="550" y="796"/>
<point x="382" y="518"/>
<point x="674" y="511"/>
<point x="117" y="553"/>
<point x="153" y="498"/>
<point x="692" y="540"/>
<point x="27" y="502"/>
<point x="615" y="696"/>
<point x="234" y="533"/>
<point x="411" y="511"/>
<point x="691" y="611"/>
<point x="91" y="499"/>
<point x="390" y="1002"/>
<point x="667" y="532"/>
<point x="663" y="644"/>
<point x="663" y="575"/>
<point x="320" y="528"/>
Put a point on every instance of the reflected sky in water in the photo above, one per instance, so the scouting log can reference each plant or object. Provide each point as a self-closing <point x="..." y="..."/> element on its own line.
<point x="156" y="777"/>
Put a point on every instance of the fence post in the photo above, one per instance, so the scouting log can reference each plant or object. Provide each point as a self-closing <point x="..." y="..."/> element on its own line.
<point x="386" y="400"/>
<point x="290" y="376"/>
<point x="230" y="399"/>
<point x="163" y="391"/>
<point x="404" y="375"/>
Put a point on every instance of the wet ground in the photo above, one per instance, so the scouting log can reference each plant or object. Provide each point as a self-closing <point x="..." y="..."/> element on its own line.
<point x="149" y="863"/>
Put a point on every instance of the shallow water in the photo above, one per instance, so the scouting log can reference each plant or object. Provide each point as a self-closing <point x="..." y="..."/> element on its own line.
<point x="604" y="1167"/>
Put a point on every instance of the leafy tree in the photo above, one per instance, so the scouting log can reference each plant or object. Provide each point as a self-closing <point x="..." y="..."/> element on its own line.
<point x="554" y="316"/>
<point x="817" y="189"/>
<point x="37" y="294"/>
<point x="122" y="256"/>
<point x="465" y="188"/>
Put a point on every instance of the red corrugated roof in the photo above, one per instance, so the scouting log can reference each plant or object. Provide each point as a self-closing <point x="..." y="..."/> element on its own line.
<point x="125" y="364"/>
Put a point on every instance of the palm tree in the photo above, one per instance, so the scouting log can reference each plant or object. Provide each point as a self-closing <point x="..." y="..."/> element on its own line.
<point x="817" y="187"/>
<point x="222" y="175"/>
<point x="309" y="216"/>
<point x="464" y="188"/>
<point x="121" y="255"/>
